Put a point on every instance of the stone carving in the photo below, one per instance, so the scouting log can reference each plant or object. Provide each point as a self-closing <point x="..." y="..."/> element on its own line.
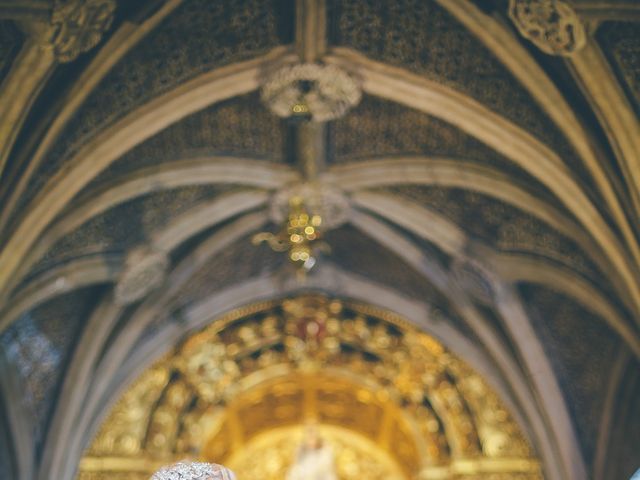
<point x="78" y="25"/>
<point x="321" y="199"/>
<point x="194" y="471"/>
<point x="145" y="269"/>
<point x="552" y="25"/>
<point x="474" y="279"/>
<point x="323" y="92"/>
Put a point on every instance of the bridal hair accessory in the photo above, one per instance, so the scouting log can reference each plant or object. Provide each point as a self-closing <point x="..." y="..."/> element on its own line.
<point x="194" y="471"/>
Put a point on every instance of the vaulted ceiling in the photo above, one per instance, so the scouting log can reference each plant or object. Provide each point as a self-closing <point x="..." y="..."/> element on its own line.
<point x="491" y="171"/>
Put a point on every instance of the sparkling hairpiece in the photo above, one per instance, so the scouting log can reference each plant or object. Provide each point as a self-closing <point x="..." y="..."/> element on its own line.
<point x="194" y="471"/>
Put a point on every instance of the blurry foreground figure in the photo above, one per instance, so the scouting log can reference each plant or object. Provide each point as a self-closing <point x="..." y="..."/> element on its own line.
<point x="194" y="471"/>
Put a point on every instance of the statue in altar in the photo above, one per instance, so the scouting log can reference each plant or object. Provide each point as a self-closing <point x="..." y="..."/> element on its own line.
<point x="314" y="459"/>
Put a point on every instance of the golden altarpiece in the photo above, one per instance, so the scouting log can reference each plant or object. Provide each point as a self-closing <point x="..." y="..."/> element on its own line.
<point x="391" y="401"/>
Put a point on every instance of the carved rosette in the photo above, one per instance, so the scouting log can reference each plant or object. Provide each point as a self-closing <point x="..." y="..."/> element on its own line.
<point x="318" y="199"/>
<point x="194" y="471"/>
<point x="145" y="270"/>
<point x="78" y="25"/>
<point x="552" y="25"/>
<point x="324" y="92"/>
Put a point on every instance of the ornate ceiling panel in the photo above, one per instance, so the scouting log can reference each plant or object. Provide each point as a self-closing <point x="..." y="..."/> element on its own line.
<point x="377" y="128"/>
<point x="356" y="252"/>
<point x="239" y="126"/>
<point x="583" y="351"/>
<point x="423" y="37"/>
<point x="393" y="129"/>
<point x="39" y="345"/>
<point x="11" y="39"/>
<point x="126" y="225"/>
<point x="351" y="251"/>
<point x="620" y="43"/>
<point x="238" y="262"/>
<point x="210" y="35"/>
<point x="502" y="226"/>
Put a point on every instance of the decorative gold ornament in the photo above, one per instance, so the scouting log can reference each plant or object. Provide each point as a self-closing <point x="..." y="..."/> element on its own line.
<point x="390" y="400"/>
<point x="552" y="25"/>
<point x="130" y="417"/>
<point x="323" y="92"/>
<point x="78" y="26"/>
<point x="319" y="198"/>
<point x="308" y="211"/>
<point x="300" y="237"/>
<point x="237" y="392"/>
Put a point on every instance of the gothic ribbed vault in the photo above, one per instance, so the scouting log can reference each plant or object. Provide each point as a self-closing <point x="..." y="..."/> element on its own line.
<point x="486" y="161"/>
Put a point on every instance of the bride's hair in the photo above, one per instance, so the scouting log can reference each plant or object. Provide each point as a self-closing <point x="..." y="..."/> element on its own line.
<point x="194" y="471"/>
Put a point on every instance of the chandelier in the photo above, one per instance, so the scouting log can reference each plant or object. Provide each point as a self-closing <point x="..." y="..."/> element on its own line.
<point x="310" y="94"/>
<point x="300" y="236"/>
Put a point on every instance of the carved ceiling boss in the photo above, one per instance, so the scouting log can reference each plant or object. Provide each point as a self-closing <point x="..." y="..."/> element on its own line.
<point x="552" y="25"/>
<point x="324" y="92"/>
<point x="77" y="26"/>
<point x="145" y="269"/>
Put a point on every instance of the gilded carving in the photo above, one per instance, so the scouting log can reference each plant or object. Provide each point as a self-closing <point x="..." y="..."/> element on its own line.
<point x="496" y="428"/>
<point x="323" y="92"/>
<point x="124" y="434"/>
<point x="78" y="26"/>
<point x="208" y="363"/>
<point x="552" y="25"/>
<point x="259" y="373"/>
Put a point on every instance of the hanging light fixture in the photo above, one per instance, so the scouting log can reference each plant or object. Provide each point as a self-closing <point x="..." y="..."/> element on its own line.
<point x="300" y="236"/>
<point x="309" y="94"/>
